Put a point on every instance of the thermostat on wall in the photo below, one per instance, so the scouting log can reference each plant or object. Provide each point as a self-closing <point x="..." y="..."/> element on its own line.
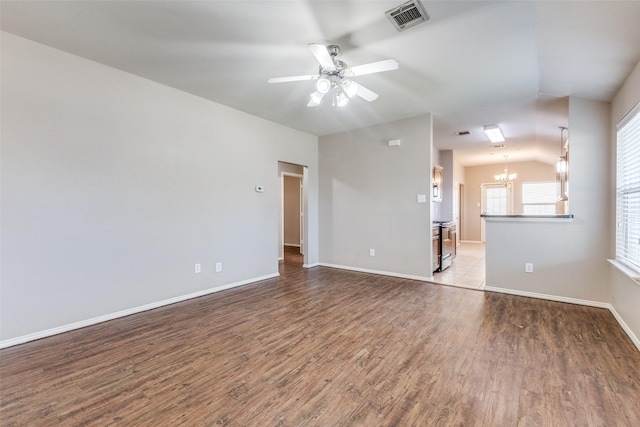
<point x="259" y="189"/>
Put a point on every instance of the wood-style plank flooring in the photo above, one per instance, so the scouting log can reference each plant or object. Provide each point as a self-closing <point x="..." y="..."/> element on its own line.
<point x="325" y="347"/>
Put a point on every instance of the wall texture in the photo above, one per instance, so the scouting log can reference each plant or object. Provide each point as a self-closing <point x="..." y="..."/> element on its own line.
<point x="114" y="186"/>
<point x="368" y="198"/>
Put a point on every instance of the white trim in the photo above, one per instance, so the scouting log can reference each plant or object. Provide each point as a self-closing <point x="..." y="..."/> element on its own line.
<point x="281" y="242"/>
<point x="111" y="316"/>
<point x="625" y="327"/>
<point x="589" y="303"/>
<point x="291" y="244"/>
<point x="297" y="175"/>
<point x="281" y="259"/>
<point x="557" y="298"/>
<point x="315" y="264"/>
<point x="623" y="121"/>
<point x="382" y="273"/>
<point x="627" y="271"/>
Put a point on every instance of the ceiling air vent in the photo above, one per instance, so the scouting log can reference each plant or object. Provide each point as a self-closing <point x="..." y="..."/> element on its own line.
<point x="494" y="146"/>
<point x="463" y="132"/>
<point x="407" y="15"/>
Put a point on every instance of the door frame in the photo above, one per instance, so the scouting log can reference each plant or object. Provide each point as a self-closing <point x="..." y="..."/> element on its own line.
<point x="302" y="208"/>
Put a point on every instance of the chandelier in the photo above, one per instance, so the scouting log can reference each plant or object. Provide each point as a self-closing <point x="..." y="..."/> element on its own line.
<point x="506" y="177"/>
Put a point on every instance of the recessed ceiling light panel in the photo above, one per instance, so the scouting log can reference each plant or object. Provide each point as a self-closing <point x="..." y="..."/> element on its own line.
<point x="494" y="133"/>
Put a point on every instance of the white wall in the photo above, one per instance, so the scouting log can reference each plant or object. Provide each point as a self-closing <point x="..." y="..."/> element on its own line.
<point x="445" y="213"/>
<point x="570" y="259"/>
<point x="114" y="186"/>
<point x="368" y="196"/>
<point x="625" y="293"/>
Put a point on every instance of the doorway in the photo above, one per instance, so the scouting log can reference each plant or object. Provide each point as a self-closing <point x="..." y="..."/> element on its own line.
<point x="495" y="199"/>
<point x="292" y="224"/>
<point x="292" y="214"/>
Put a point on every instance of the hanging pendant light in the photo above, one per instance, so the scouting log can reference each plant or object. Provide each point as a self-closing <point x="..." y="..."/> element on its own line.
<point x="562" y="169"/>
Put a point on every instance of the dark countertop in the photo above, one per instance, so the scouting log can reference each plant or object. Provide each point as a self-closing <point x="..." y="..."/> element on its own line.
<point x="569" y="216"/>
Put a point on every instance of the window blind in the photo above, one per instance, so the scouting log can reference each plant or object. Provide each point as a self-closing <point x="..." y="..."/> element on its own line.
<point x="539" y="198"/>
<point x="628" y="192"/>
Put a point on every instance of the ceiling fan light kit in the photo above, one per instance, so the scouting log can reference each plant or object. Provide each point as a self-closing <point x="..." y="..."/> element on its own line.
<point x="323" y="85"/>
<point x="335" y="76"/>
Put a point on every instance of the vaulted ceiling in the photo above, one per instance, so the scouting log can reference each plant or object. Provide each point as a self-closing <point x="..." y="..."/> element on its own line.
<point x="511" y="63"/>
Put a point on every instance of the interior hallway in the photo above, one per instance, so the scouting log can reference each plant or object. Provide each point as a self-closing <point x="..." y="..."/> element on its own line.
<point x="292" y="262"/>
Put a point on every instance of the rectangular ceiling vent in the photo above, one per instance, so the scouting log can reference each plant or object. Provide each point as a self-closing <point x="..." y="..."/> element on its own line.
<point x="407" y="15"/>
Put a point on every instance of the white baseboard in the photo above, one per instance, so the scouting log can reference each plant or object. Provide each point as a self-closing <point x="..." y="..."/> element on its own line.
<point x="292" y="245"/>
<point x="84" y="323"/>
<point x="589" y="303"/>
<point x="281" y="258"/>
<point x="625" y="327"/>
<point x="315" y="264"/>
<point x="548" y="297"/>
<point x="382" y="273"/>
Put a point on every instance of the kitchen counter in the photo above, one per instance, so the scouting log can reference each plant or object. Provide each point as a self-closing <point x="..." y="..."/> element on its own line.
<point x="529" y="218"/>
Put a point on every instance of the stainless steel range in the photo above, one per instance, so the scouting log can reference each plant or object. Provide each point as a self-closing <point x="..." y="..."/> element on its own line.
<point x="448" y="241"/>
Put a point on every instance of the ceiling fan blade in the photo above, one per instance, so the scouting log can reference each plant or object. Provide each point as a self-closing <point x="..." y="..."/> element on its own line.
<point x="365" y="93"/>
<point x="374" y="67"/>
<point x="322" y="55"/>
<point x="292" y="79"/>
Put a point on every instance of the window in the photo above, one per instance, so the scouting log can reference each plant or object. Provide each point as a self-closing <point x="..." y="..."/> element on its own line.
<point x="539" y="198"/>
<point x="496" y="199"/>
<point x="628" y="192"/>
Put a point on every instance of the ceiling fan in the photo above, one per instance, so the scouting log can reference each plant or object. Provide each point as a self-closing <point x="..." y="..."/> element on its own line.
<point x="335" y="77"/>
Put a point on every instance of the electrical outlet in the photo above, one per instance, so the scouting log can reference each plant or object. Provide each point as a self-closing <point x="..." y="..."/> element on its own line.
<point x="528" y="267"/>
<point x="372" y="252"/>
<point x="198" y="268"/>
<point x="218" y="267"/>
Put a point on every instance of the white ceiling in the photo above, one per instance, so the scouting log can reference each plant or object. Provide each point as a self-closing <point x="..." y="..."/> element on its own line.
<point x="473" y="63"/>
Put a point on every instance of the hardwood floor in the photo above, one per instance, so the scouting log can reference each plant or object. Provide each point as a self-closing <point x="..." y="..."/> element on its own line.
<point x="292" y="262"/>
<point x="325" y="347"/>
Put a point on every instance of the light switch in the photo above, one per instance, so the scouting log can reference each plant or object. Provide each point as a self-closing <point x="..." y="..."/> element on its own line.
<point x="422" y="198"/>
